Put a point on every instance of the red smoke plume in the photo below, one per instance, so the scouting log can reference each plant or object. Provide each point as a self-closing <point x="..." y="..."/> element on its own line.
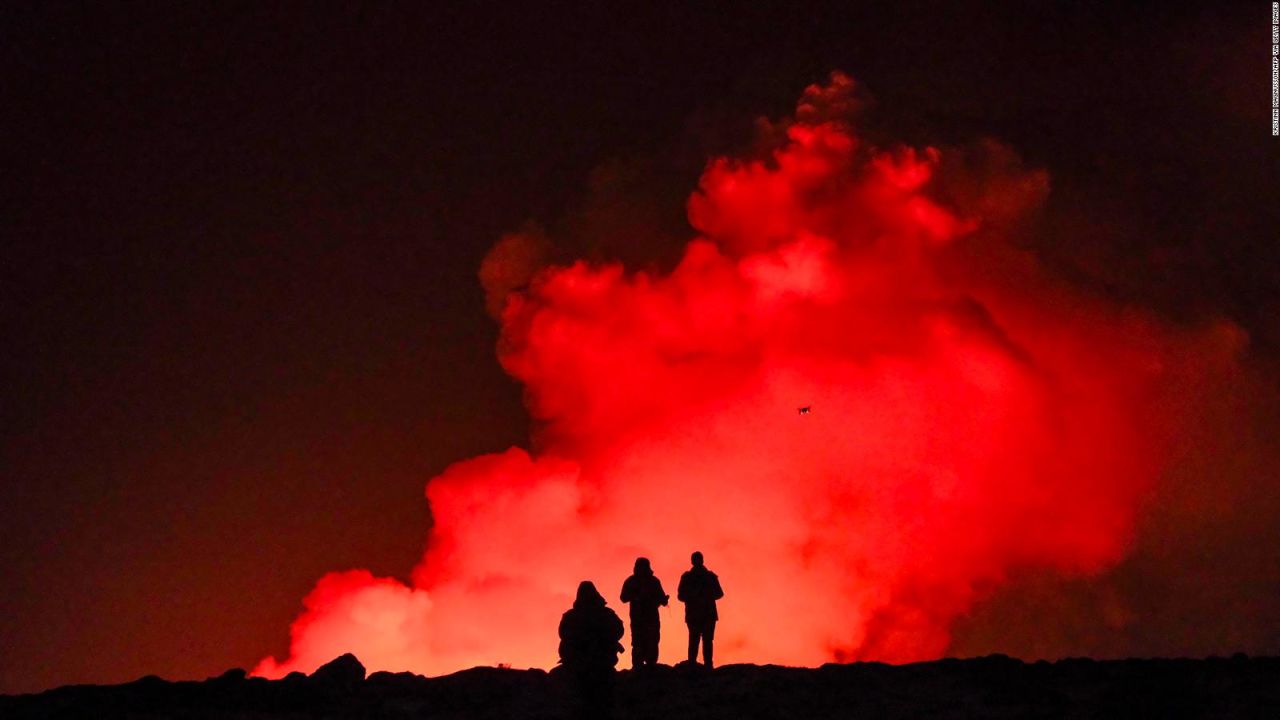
<point x="971" y="416"/>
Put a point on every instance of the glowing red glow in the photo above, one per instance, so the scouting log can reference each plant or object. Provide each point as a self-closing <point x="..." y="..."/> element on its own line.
<point x="971" y="416"/>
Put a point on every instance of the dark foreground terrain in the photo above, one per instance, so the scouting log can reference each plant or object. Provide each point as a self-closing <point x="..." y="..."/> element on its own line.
<point x="995" y="686"/>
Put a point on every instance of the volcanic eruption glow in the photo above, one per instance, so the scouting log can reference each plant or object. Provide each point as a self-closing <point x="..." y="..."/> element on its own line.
<point x="972" y="416"/>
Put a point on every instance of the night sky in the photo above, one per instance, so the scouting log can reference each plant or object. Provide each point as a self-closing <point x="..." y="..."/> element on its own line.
<point x="242" y="324"/>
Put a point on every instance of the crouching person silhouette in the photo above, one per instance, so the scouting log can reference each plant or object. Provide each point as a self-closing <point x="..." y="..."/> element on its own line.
<point x="589" y="647"/>
<point x="643" y="590"/>
<point x="699" y="591"/>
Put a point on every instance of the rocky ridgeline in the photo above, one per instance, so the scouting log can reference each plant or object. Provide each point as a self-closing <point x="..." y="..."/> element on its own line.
<point x="991" y="687"/>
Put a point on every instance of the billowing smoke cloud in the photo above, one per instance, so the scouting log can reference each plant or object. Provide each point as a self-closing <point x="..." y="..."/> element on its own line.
<point x="972" y="417"/>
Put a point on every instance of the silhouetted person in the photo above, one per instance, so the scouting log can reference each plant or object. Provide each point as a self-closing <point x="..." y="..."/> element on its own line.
<point x="699" y="591"/>
<point x="589" y="647"/>
<point x="643" y="590"/>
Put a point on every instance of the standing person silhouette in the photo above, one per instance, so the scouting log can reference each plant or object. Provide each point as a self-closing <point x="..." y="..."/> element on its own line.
<point x="589" y="647"/>
<point x="699" y="591"/>
<point x="643" y="591"/>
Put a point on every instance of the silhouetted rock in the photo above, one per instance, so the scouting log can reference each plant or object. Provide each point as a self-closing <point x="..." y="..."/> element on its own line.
<point x="148" y="682"/>
<point x="344" y="672"/>
<point x="233" y="675"/>
<point x="383" y="680"/>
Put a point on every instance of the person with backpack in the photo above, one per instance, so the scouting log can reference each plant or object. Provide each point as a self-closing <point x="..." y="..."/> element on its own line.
<point x="589" y="647"/>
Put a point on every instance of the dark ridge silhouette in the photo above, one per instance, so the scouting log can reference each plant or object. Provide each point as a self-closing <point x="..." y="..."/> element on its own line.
<point x="995" y="686"/>
<point x="342" y="673"/>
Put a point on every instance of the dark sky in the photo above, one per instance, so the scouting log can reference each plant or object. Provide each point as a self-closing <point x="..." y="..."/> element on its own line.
<point x="238" y="254"/>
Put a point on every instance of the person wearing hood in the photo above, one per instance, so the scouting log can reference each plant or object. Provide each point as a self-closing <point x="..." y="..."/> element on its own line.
<point x="589" y="647"/>
<point x="643" y="592"/>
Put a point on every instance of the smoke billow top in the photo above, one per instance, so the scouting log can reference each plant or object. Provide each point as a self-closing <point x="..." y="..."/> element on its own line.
<point x="972" y="417"/>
